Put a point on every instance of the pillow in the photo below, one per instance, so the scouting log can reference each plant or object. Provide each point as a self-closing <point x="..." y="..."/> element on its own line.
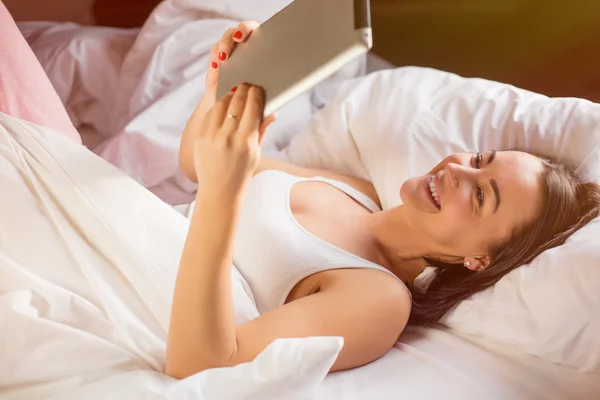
<point x="25" y="90"/>
<point x="395" y="124"/>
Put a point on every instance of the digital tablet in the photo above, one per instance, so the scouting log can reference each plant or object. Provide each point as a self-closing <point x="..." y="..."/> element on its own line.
<point x="299" y="47"/>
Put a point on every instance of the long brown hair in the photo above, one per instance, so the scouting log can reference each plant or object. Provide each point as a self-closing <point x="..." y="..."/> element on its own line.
<point x="568" y="204"/>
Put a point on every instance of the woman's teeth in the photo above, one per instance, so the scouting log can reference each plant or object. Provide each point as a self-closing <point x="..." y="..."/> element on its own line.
<point x="433" y="190"/>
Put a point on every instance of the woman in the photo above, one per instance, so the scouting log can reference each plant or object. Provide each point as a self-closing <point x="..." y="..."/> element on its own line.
<point x="320" y="258"/>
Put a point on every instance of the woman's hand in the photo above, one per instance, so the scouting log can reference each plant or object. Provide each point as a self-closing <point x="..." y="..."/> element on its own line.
<point x="220" y="53"/>
<point x="227" y="149"/>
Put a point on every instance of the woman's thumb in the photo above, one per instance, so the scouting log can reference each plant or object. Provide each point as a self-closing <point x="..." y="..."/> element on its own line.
<point x="264" y="125"/>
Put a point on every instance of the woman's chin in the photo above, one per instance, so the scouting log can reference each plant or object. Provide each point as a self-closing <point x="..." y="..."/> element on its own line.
<point x="409" y="191"/>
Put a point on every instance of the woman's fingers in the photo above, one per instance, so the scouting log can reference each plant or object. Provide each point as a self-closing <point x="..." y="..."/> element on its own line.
<point x="237" y="104"/>
<point x="253" y="111"/>
<point x="225" y="46"/>
<point x="243" y="30"/>
<point x="240" y="112"/>
<point x="266" y="123"/>
<point x="219" y="112"/>
<point x="212" y="75"/>
<point x="221" y="51"/>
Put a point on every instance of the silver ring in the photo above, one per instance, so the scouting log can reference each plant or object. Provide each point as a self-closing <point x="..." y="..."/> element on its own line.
<point x="233" y="116"/>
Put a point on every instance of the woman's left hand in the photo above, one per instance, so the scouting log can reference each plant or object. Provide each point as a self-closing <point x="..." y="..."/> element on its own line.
<point x="222" y="51"/>
<point x="227" y="149"/>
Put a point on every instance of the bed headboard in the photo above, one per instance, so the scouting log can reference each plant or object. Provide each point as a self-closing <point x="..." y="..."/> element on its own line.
<point x="120" y="13"/>
<point x="123" y="13"/>
<point x="79" y="11"/>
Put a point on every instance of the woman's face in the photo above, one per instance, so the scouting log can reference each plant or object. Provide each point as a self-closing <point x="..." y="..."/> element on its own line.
<point x="469" y="202"/>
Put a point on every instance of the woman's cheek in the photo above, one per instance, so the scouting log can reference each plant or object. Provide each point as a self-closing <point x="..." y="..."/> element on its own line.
<point x="456" y="215"/>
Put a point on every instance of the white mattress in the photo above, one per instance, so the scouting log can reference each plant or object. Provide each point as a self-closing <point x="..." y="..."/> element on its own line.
<point x="432" y="364"/>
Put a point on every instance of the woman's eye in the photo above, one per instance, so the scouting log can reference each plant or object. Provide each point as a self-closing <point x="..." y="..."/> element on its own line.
<point x="480" y="195"/>
<point x="478" y="160"/>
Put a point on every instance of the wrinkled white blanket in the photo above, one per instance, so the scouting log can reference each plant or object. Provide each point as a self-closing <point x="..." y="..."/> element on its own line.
<point x="88" y="260"/>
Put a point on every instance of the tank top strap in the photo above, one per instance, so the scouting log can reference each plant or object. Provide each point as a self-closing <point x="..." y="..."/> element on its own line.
<point x="357" y="195"/>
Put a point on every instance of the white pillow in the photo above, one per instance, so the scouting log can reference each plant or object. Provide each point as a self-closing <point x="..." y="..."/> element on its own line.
<point x="88" y="261"/>
<point x="395" y="124"/>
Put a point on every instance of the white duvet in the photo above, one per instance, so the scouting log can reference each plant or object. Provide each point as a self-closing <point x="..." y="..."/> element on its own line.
<point x="88" y="260"/>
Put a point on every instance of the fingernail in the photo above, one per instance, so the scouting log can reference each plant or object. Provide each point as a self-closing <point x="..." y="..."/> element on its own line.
<point x="222" y="56"/>
<point x="214" y="65"/>
<point x="237" y="35"/>
<point x="233" y="89"/>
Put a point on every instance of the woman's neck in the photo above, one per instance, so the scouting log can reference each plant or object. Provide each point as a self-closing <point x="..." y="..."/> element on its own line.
<point x="401" y="246"/>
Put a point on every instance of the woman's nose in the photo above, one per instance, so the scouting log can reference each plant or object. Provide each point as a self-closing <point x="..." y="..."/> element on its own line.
<point x="459" y="173"/>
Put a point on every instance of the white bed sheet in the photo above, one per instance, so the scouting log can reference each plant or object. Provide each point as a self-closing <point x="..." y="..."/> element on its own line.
<point x="440" y="364"/>
<point x="430" y="364"/>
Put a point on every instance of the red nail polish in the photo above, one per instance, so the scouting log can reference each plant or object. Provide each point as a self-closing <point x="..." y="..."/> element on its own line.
<point x="222" y="56"/>
<point x="233" y="89"/>
<point x="214" y="64"/>
<point x="237" y="35"/>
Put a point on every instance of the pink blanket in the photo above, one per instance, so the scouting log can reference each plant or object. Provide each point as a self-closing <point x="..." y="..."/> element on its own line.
<point x="25" y="90"/>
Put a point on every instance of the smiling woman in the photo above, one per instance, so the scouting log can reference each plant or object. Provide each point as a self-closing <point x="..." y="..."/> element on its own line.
<point x="464" y="190"/>
<point x="519" y="205"/>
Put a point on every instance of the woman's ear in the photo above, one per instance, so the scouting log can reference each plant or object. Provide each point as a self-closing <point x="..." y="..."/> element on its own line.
<point x="477" y="263"/>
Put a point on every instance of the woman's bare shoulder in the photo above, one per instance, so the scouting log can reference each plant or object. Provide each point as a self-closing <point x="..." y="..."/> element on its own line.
<point x="368" y="280"/>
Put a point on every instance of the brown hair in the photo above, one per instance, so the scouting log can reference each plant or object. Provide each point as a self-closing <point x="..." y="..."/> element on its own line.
<point x="568" y="204"/>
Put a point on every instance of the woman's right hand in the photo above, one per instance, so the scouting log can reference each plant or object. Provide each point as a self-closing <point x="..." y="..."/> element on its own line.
<point x="227" y="150"/>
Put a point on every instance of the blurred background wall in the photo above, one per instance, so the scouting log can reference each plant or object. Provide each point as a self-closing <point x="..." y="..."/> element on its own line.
<point x="548" y="46"/>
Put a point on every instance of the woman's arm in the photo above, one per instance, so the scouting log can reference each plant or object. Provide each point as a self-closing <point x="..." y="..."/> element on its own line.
<point x="202" y="332"/>
<point x="226" y="152"/>
<point x="186" y="148"/>
<point x="369" y="309"/>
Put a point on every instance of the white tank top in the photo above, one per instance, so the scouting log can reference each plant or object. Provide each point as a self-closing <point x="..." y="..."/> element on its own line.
<point x="273" y="252"/>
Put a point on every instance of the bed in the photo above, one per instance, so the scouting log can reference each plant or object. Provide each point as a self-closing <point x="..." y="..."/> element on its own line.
<point x="129" y="92"/>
